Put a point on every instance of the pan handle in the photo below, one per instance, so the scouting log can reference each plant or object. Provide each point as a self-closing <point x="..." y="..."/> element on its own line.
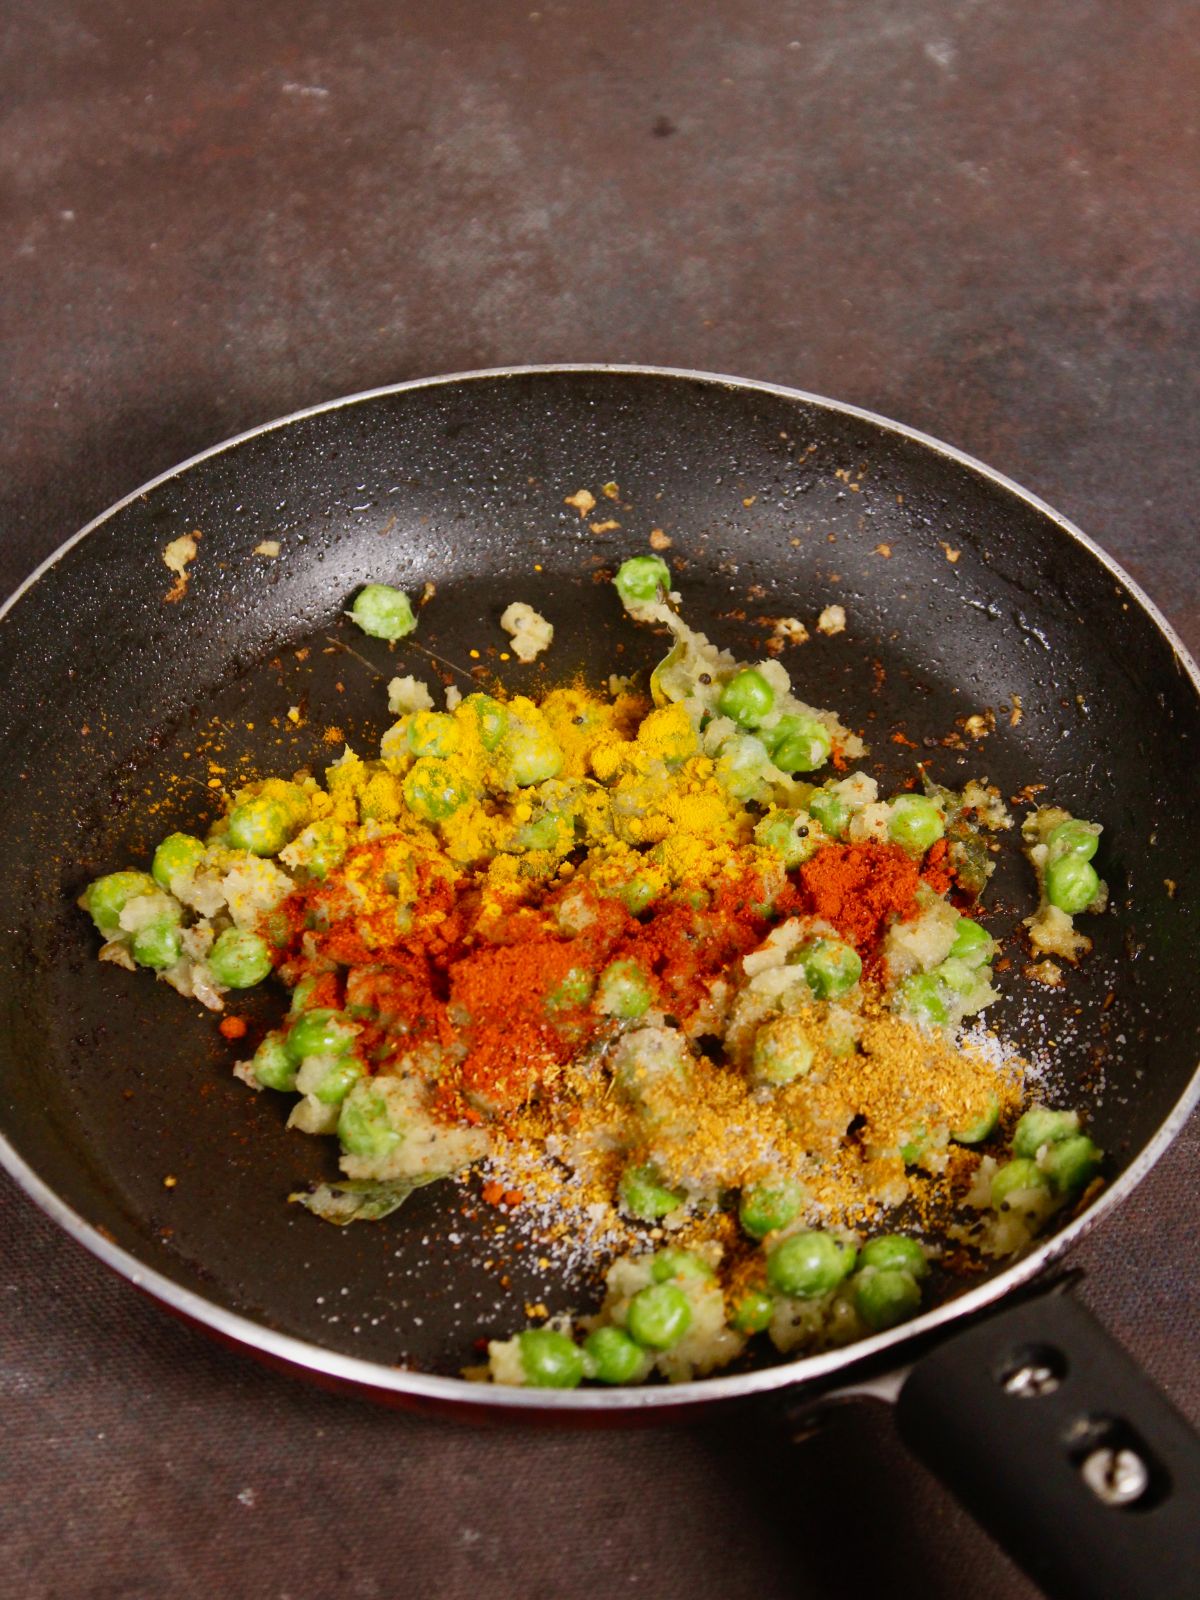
<point x="1046" y="1430"/>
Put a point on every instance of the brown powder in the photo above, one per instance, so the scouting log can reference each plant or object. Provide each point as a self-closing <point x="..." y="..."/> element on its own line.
<point x="838" y="1131"/>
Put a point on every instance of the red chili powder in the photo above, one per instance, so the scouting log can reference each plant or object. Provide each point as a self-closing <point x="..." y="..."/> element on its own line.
<point x="510" y="1042"/>
<point x="935" y="874"/>
<point x="859" y="887"/>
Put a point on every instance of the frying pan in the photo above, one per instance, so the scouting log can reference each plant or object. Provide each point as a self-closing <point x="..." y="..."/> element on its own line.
<point x="125" y="715"/>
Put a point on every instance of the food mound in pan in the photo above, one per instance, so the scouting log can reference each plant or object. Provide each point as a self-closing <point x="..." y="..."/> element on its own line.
<point x="655" y="963"/>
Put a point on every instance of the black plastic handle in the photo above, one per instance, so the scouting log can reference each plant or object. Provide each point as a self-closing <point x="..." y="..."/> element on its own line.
<point x="1046" y="1430"/>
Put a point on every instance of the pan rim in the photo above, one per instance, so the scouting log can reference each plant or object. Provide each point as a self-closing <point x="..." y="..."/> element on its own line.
<point x="371" y="1375"/>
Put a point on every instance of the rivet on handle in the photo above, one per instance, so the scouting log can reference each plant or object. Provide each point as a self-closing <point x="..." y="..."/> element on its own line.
<point x="1117" y="1477"/>
<point x="1031" y="1381"/>
<point x="1032" y="1372"/>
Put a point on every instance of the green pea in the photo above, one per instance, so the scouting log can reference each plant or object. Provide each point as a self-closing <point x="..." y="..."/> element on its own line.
<point x="433" y="790"/>
<point x="643" y="1063"/>
<point x="841" y="1034"/>
<point x="659" y="1316"/>
<point x="694" y="899"/>
<point x="492" y="718"/>
<point x="915" y="822"/>
<point x="623" y="991"/>
<point x="923" y="996"/>
<point x="1071" y="1164"/>
<point x="787" y="833"/>
<point x="533" y="755"/>
<point x="675" y="1264"/>
<point x="276" y="927"/>
<point x="809" y="1264"/>
<point x="740" y="765"/>
<point x="830" y="810"/>
<point x="1014" y="1177"/>
<point x="574" y="991"/>
<point x="798" y="743"/>
<point x="972" y="944"/>
<point x="273" y="1067"/>
<point x="323" y="846"/>
<point x="782" y="1051"/>
<point x="644" y="1197"/>
<point x="364" y="1125"/>
<point x="337" y="1080"/>
<point x="322" y="1032"/>
<point x="158" y="945"/>
<point x="767" y="895"/>
<point x="543" y="834"/>
<point x="981" y="1128"/>
<point x="895" y="1251"/>
<point x="549" y="1359"/>
<point x="958" y="977"/>
<point x="261" y="826"/>
<point x="297" y="802"/>
<point x="239" y="959"/>
<point x="614" y="1357"/>
<point x="177" y="856"/>
<point x="915" y="1146"/>
<point x="168" y="910"/>
<point x="831" y="967"/>
<point x="752" y="1313"/>
<point x="105" y="898"/>
<point x="433" y="733"/>
<point x="639" y="580"/>
<point x="640" y="893"/>
<point x="1039" y="1126"/>
<point x="1071" y="883"/>
<point x="886" y="1297"/>
<point x="766" y="1207"/>
<point x="383" y="612"/>
<point x="1073" y="838"/>
<point x="302" y="994"/>
<point x="747" y="698"/>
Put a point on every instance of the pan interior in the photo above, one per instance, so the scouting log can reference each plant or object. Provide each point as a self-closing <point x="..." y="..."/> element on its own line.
<point x="124" y="715"/>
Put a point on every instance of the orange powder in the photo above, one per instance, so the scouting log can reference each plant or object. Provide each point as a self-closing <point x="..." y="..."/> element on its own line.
<point x="858" y="888"/>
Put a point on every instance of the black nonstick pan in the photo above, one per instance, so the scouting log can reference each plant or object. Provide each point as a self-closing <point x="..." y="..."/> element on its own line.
<point x="126" y="713"/>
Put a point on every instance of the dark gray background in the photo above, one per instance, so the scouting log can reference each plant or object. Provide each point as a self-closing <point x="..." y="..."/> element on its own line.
<point x="980" y="218"/>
